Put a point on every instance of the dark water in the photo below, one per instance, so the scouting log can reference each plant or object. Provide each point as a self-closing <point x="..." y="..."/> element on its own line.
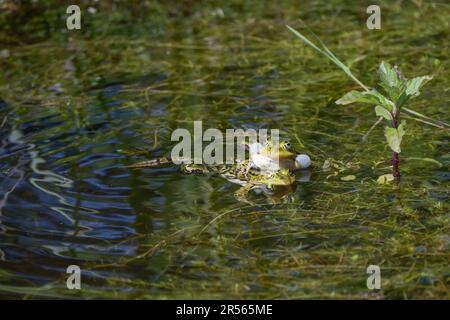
<point x="67" y="196"/>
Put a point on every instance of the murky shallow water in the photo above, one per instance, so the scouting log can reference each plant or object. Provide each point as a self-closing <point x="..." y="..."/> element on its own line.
<point x="68" y="198"/>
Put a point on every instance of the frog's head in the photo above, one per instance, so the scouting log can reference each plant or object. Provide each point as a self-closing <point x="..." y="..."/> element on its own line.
<point x="283" y="150"/>
<point x="282" y="177"/>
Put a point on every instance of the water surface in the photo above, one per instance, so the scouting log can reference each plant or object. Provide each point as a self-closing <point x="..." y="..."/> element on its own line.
<point x="78" y="107"/>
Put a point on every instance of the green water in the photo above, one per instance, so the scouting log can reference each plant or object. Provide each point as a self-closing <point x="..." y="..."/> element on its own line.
<point x="78" y="106"/>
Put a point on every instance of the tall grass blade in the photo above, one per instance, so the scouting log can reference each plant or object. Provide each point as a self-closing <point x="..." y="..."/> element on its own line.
<point x="328" y="53"/>
<point x="442" y="124"/>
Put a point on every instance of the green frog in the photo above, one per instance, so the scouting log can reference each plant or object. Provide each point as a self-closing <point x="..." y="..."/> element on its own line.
<point x="241" y="173"/>
<point x="272" y="156"/>
<point x="275" y="185"/>
<point x="261" y="172"/>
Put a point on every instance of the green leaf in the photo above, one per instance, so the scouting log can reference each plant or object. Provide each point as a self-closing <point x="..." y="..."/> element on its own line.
<point x="402" y="99"/>
<point x="394" y="136"/>
<point x="385" y="178"/>
<point x="370" y="97"/>
<point x="413" y="86"/>
<point x="383" y="112"/>
<point x="385" y="102"/>
<point x="356" y="96"/>
<point x="395" y="94"/>
<point x="392" y="81"/>
<point x="348" y="178"/>
<point x="411" y="89"/>
<point x="389" y="76"/>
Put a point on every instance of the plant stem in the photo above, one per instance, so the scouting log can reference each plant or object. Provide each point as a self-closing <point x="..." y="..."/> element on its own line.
<point x="396" y="167"/>
<point x="396" y="155"/>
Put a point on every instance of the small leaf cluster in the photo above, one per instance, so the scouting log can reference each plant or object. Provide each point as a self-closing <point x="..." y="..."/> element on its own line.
<point x="396" y="92"/>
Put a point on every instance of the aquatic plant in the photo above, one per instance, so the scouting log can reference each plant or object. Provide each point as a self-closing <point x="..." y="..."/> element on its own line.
<point x="396" y="92"/>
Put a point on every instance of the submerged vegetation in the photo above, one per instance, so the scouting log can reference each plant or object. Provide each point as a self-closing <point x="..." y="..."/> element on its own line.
<point x="78" y="108"/>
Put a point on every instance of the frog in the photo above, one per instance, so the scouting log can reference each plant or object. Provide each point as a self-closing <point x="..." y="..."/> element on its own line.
<point x="262" y="158"/>
<point x="274" y="184"/>
<point x="239" y="173"/>
<point x="260" y="172"/>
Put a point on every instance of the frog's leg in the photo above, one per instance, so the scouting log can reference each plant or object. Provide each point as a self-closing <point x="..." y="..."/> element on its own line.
<point x="193" y="168"/>
<point x="243" y="169"/>
<point x="152" y="163"/>
<point x="242" y="194"/>
<point x="248" y="167"/>
<point x="290" y="198"/>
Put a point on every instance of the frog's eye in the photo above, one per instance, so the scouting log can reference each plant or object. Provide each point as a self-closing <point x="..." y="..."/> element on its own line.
<point x="286" y="145"/>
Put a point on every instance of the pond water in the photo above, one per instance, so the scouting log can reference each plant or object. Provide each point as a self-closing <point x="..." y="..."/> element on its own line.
<point x="77" y="108"/>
